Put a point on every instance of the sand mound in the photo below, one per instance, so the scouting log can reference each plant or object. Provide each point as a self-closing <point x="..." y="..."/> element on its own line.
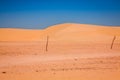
<point x="64" y="32"/>
<point x="71" y="36"/>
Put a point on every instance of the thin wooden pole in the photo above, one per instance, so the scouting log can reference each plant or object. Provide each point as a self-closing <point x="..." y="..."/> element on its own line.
<point x="113" y="42"/>
<point x="46" y="49"/>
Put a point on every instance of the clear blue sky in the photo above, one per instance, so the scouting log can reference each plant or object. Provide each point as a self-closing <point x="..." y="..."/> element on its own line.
<point x="38" y="14"/>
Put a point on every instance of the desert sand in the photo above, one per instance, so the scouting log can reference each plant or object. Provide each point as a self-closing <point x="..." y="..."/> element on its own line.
<point x="74" y="52"/>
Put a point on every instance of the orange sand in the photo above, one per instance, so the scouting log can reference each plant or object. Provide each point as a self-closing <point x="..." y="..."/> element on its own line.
<point x="75" y="52"/>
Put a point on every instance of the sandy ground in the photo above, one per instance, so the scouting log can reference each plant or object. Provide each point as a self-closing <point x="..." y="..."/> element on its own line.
<point x="20" y="61"/>
<point x="75" y="52"/>
<point x="52" y="68"/>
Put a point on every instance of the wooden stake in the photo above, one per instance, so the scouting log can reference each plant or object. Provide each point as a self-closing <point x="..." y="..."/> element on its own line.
<point x="46" y="49"/>
<point x="113" y="42"/>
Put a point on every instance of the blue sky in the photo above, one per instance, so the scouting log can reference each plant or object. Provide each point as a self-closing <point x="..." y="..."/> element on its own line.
<point x="37" y="14"/>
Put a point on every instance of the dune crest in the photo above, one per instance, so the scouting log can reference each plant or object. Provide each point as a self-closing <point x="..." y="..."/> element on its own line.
<point x="67" y="31"/>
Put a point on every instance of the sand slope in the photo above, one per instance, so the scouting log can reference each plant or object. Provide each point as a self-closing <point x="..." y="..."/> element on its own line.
<point x="76" y="38"/>
<point x="62" y="32"/>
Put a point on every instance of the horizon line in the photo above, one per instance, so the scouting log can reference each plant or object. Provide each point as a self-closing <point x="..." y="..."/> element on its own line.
<point x="58" y="24"/>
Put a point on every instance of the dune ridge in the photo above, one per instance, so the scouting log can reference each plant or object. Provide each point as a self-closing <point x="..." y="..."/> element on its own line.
<point x="60" y="31"/>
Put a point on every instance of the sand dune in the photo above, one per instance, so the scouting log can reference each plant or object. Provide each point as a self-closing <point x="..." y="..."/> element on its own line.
<point x="62" y="32"/>
<point x="75" y="52"/>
